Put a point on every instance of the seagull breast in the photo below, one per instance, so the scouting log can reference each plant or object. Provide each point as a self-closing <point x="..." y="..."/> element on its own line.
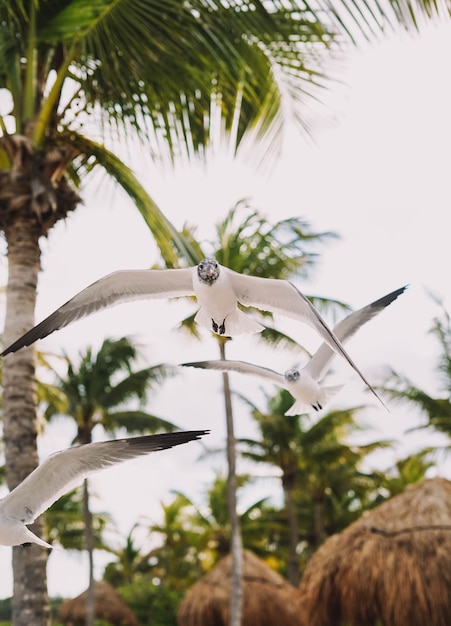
<point x="302" y="386"/>
<point x="217" y="298"/>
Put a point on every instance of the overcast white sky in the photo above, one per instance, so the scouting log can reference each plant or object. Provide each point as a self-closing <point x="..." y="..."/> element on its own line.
<point x="379" y="176"/>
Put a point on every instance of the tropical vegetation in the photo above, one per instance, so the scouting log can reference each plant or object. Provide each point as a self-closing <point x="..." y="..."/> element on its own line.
<point x="100" y="390"/>
<point x="80" y="75"/>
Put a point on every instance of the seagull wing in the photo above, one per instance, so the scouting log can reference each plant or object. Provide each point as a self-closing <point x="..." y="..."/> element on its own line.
<point x="115" y="288"/>
<point x="240" y="366"/>
<point x="345" y="329"/>
<point x="63" y="471"/>
<point x="281" y="296"/>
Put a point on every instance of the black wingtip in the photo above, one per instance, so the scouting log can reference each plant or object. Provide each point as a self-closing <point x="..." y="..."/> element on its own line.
<point x="42" y="330"/>
<point x="163" y="441"/>
<point x="8" y="350"/>
<point x="15" y="346"/>
<point x="389" y="298"/>
<point x="182" y="436"/>
<point x="199" y="364"/>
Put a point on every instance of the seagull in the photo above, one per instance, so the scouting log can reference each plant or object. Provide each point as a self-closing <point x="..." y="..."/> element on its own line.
<point x="303" y="383"/>
<point x="218" y="290"/>
<point x="63" y="471"/>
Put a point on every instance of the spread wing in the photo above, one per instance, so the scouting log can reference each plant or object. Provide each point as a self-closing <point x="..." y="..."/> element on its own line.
<point x="281" y="296"/>
<point x="240" y="366"/>
<point x="63" y="471"/>
<point x="345" y="329"/>
<point x="115" y="288"/>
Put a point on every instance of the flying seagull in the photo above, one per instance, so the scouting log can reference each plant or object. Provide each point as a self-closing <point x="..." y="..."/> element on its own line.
<point x="63" y="471"/>
<point x="303" y="384"/>
<point x="218" y="291"/>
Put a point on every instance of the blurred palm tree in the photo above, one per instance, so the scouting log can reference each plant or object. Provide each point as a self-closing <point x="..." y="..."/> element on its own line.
<point x="130" y="562"/>
<point x="191" y="538"/>
<point x="81" y="80"/>
<point x="167" y="74"/>
<point x="317" y="468"/>
<point x="406" y="471"/>
<point x="247" y="242"/>
<point x="211" y="519"/>
<point x="436" y="410"/>
<point x="98" y="391"/>
<point x="65" y="523"/>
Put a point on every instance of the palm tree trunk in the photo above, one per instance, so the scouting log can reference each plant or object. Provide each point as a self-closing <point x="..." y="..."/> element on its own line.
<point x="293" y="539"/>
<point x="30" y="601"/>
<point x="89" y="538"/>
<point x="318" y="521"/>
<point x="236" y="583"/>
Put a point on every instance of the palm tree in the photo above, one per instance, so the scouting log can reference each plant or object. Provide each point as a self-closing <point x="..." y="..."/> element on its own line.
<point x="406" y="471"/>
<point x="145" y="69"/>
<point x="130" y="562"/>
<point x="98" y="391"/>
<point x="314" y="462"/>
<point x="191" y="538"/>
<point x="437" y="410"/>
<point x="65" y="523"/>
<point x="211" y="519"/>
<point x="250" y="244"/>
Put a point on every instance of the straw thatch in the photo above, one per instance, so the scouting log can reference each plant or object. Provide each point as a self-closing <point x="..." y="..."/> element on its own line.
<point x="109" y="606"/>
<point x="391" y="567"/>
<point x="268" y="599"/>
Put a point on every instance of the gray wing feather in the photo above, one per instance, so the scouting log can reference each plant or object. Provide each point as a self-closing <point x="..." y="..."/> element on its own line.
<point x="281" y="296"/>
<point x="273" y="295"/>
<point x="239" y="366"/>
<point x="63" y="471"/>
<point x="115" y="288"/>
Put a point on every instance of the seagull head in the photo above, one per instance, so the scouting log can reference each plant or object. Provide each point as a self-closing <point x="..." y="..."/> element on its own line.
<point x="208" y="271"/>
<point x="292" y="375"/>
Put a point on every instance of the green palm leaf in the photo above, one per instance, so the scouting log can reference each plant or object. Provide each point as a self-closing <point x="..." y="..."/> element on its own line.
<point x="172" y="243"/>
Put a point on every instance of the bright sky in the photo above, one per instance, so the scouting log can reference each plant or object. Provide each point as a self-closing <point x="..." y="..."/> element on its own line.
<point x="378" y="176"/>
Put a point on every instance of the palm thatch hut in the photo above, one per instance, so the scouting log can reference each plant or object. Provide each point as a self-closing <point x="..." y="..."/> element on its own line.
<point x="109" y="606"/>
<point x="268" y="599"/>
<point x="392" y="567"/>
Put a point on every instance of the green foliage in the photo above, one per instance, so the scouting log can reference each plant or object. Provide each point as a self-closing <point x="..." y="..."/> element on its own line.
<point x="247" y="242"/>
<point x="153" y="604"/>
<point x="100" y="388"/>
<point x="95" y="391"/>
<point x="5" y="609"/>
<point x="436" y="410"/>
<point x="319" y="469"/>
<point x="406" y="471"/>
<point x="66" y="526"/>
<point x="192" y="538"/>
<point x="134" y="63"/>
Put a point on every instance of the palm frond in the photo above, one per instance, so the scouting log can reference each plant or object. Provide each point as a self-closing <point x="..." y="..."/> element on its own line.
<point x="138" y="422"/>
<point x="172" y="244"/>
<point x="179" y="73"/>
<point x="136" y="384"/>
<point x="372" y="19"/>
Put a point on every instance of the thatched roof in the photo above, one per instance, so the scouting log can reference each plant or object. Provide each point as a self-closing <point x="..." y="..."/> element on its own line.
<point x="268" y="599"/>
<point x="392" y="566"/>
<point x="109" y="606"/>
